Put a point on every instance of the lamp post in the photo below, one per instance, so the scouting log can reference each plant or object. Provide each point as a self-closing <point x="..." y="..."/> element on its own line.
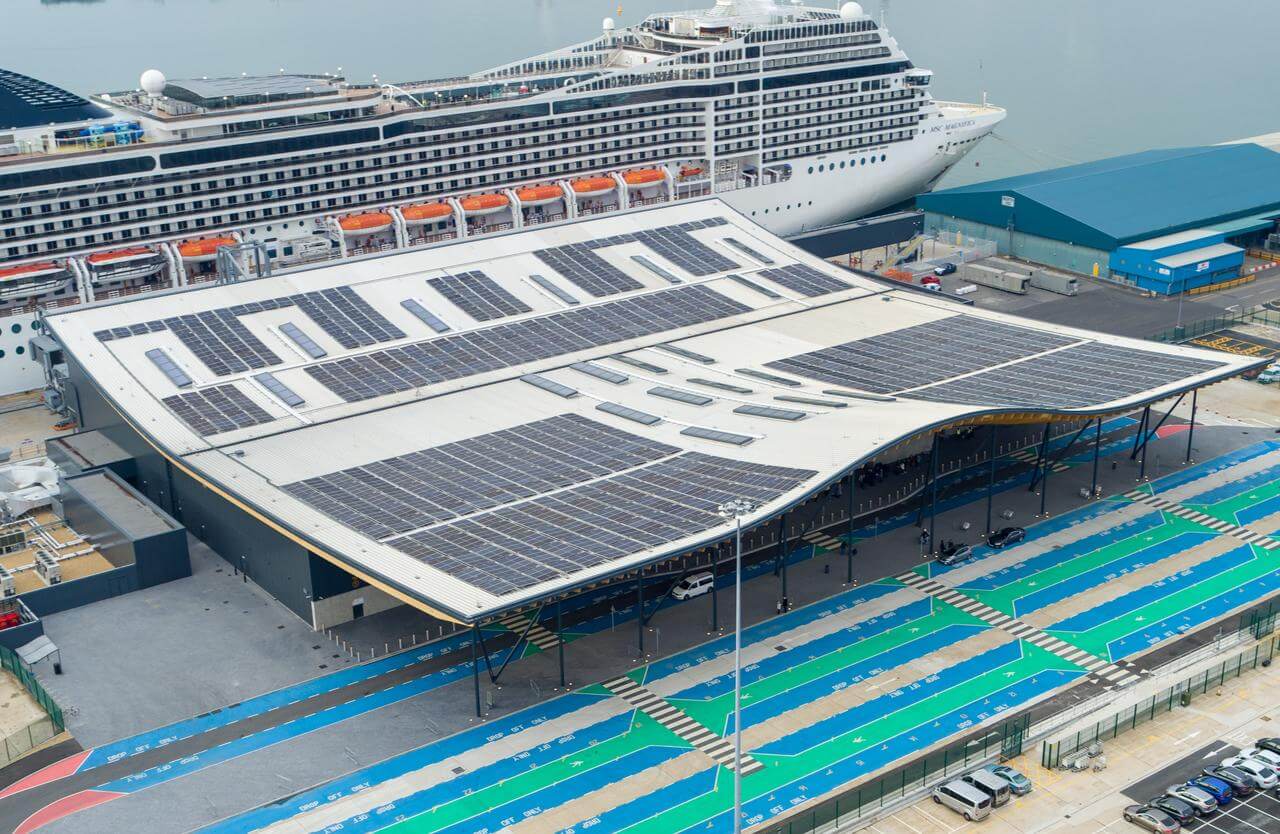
<point x="735" y="510"/>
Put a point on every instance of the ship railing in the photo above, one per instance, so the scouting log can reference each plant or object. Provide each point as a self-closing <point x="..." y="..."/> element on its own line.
<point x="543" y="218"/>
<point x="701" y="189"/>
<point x="601" y="209"/>
<point x="422" y="240"/>
<point x="647" y="201"/>
<point x="137" y="289"/>
<point x="34" y="306"/>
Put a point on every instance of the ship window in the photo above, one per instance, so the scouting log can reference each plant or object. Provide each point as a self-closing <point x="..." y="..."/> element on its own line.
<point x="17" y="328"/>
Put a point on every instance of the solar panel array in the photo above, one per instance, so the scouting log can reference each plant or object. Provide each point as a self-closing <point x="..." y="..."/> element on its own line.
<point x="944" y="348"/>
<point x="221" y="342"/>
<point x="1075" y="377"/>
<point x="406" y="492"/>
<point x="169" y="368"/>
<point x="661" y="272"/>
<point x="635" y="415"/>
<point x="748" y="251"/>
<point x="804" y="279"/>
<point x="552" y="536"/>
<point x="638" y="363"/>
<point x="554" y="288"/>
<point x="752" y="285"/>
<point x="286" y="394"/>
<point x="347" y="317"/>
<point x="591" y="369"/>
<point x="685" y="353"/>
<point x="478" y="295"/>
<point x="426" y="316"/>
<point x="723" y="386"/>
<point x="216" y="410"/>
<point x="549" y="385"/>
<point x="302" y="340"/>
<point x="579" y="263"/>
<point x="680" y="396"/>
<point x="502" y="346"/>
<point x="770" y="412"/>
<point x="717" y="435"/>
<point x="777" y="380"/>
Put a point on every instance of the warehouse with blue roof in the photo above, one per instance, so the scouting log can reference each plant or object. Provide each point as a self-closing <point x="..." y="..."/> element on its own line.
<point x="1167" y="221"/>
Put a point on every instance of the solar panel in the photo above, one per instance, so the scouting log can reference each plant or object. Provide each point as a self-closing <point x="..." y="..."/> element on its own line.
<point x="555" y="289"/>
<point x="804" y="279"/>
<point x="548" y="537"/>
<point x="455" y="356"/>
<point x="810" y="401"/>
<point x="215" y="410"/>
<point x="582" y="266"/>
<point x="431" y="319"/>
<point x="549" y="385"/>
<point x="440" y="483"/>
<point x="680" y="396"/>
<point x="718" y="436"/>
<point x="1074" y="377"/>
<point x="780" y="380"/>
<point x="662" y="273"/>
<point x="687" y="354"/>
<point x="600" y="373"/>
<point x="748" y="251"/>
<point x="219" y="340"/>
<point x="478" y="295"/>
<point x="752" y="285"/>
<point x="770" y="412"/>
<point x="723" y="386"/>
<point x="859" y="395"/>
<point x="638" y="363"/>
<point x="626" y="413"/>
<point x="302" y="340"/>
<point x="285" y="394"/>
<point x="347" y="317"/>
<point x="956" y="345"/>
<point x="170" y="368"/>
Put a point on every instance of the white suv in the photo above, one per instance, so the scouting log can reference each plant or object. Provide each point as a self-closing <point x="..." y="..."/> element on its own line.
<point x="1259" y="771"/>
<point x="694" y="586"/>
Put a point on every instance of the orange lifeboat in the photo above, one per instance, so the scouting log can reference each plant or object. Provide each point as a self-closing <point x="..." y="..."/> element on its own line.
<point x="644" y="176"/>
<point x="30" y="270"/>
<point x="27" y="280"/>
<point x="117" y="256"/>
<point x="594" y="185"/>
<point x="365" y="224"/>
<point x="690" y="171"/>
<point x="484" y="203"/>
<point x="205" y="249"/>
<point x="425" y="213"/>
<point x="539" y="195"/>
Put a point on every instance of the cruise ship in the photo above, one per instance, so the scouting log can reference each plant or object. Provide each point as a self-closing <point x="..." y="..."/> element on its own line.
<point x="797" y="116"/>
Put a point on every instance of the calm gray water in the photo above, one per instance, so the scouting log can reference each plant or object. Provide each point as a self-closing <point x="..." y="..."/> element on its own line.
<point x="1081" y="80"/>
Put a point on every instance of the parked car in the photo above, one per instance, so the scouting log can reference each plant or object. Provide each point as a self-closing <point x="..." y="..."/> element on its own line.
<point x="1019" y="783"/>
<point x="1261" y="754"/>
<point x="964" y="799"/>
<point x="693" y="586"/>
<point x="955" y="554"/>
<point x="1006" y="536"/>
<point x="931" y="283"/>
<point x="1269" y="744"/>
<point x="1183" y="812"/>
<point x="1219" y="789"/>
<point x="1261" y="774"/>
<point x="1241" y="783"/>
<point x="1197" y="797"/>
<point x="1152" y="819"/>
<point x="996" y="787"/>
<point x="944" y="269"/>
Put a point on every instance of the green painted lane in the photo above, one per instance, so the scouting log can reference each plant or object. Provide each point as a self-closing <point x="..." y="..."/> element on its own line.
<point x="1097" y="638"/>
<point x="1005" y="598"/>
<point x="1227" y="510"/>
<point x="781" y="770"/>
<point x="644" y="732"/>
<point x="714" y="712"/>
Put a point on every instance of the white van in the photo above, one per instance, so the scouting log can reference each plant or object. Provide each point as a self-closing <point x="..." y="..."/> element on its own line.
<point x="964" y="799"/>
<point x="693" y="586"/>
<point x="996" y="787"/>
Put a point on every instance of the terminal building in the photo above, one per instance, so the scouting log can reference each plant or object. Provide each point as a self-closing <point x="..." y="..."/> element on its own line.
<point x="495" y="425"/>
<point x="1164" y="221"/>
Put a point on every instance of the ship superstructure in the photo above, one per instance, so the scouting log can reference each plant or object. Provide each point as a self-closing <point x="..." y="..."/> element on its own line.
<point x="797" y="116"/>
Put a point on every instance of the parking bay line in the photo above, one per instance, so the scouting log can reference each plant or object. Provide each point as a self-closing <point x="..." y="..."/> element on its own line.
<point x="1227" y="813"/>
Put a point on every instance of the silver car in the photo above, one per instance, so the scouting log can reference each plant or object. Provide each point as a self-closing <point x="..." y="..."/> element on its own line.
<point x="1261" y="773"/>
<point x="1197" y="798"/>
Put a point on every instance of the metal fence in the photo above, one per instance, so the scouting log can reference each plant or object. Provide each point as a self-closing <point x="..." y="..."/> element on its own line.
<point x="1003" y="740"/>
<point x="1052" y="754"/>
<point x="1255" y="315"/>
<point x="19" y="743"/>
<point x="10" y="661"/>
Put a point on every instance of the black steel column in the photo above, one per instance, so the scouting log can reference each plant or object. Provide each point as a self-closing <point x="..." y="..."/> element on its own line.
<point x="640" y="609"/>
<point x="715" y="596"/>
<point x="1097" y="444"/>
<point x="560" y="641"/>
<point x="1140" y="439"/>
<point x="786" y="602"/>
<point x="933" y="503"/>
<point x="1191" y="427"/>
<point x="991" y="480"/>
<point x="848" y="545"/>
<point x="1045" y="467"/>
<point x="475" y="667"/>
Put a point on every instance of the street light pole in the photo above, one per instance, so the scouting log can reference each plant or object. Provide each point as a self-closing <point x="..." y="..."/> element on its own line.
<point x="736" y="510"/>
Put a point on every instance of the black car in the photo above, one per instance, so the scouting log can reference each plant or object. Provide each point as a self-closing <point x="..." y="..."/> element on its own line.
<point x="1272" y="744"/>
<point x="1241" y="783"/>
<point x="1006" y="536"/>
<point x="944" y="269"/>
<point x="1174" y="807"/>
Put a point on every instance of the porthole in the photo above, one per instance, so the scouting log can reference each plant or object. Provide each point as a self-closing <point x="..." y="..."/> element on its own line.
<point x="17" y="328"/>
<point x="842" y="163"/>
<point x="883" y="157"/>
<point x="37" y="325"/>
<point x="19" y="350"/>
<point x="1" y="353"/>
<point x="821" y="168"/>
<point x="810" y="169"/>
<point x="864" y="160"/>
<point x="873" y="160"/>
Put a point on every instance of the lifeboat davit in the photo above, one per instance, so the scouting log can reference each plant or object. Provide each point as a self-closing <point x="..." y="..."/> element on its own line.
<point x="645" y="176"/>
<point x="205" y="249"/>
<point x="594" y="185"/>
<point x="484" y="203"/>
<point x="425" y="213"/>
<point x="119" y="256"/>
<point x="365" y="224"/>
<point x="539" y="195"/>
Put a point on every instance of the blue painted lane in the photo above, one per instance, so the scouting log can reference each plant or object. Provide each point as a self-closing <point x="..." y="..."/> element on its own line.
<point x="1112" y="570"/>
<point x="1218" y="464"/>
<point x="397" y="766"/>
<point x="1156" y="591"/>
<point x="1234" y="488"/>
<point x="649" y="805"/>
<point x="1259" y="511"/>
<point x="907" y="697"/>
<point x="1210" y="609"/>
<point x="806" y="652"/>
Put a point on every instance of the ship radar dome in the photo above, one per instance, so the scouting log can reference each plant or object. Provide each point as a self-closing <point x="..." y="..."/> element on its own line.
<point x="153" y="81"/>
<point x="607" y="25"/>
<point x="850" y="11"/>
